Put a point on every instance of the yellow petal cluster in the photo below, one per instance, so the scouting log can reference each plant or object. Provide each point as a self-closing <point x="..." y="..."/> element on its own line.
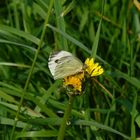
<point x="93" y="69"/>
<point x="75" y="81"/>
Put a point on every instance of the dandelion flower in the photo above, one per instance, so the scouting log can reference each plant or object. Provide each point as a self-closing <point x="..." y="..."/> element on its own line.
<point x="74" y="81"/>
<point x="93" y="69"/>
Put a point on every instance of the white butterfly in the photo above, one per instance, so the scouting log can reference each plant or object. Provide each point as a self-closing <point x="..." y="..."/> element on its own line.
<point x="63" y="64"/>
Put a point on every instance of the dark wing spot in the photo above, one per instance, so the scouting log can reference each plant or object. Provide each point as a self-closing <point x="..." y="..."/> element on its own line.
<point x="57" y="61"/>
<point x="62" y="60"/>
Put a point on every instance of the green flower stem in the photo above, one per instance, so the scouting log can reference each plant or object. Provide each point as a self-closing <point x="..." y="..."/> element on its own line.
<point x="32" y="68"/>
<point x="67" y="113"/>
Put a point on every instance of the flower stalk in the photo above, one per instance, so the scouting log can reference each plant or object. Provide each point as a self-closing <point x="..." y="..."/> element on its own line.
<point x="61" y="133"/>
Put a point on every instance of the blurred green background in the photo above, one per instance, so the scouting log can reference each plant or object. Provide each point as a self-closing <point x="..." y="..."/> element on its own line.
<point x="30" y="30"/>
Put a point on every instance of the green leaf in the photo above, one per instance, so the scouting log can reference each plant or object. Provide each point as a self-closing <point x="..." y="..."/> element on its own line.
<point x="20" y="33"/>
<point x="96" y="41"/>
<point x="101" y="126"/>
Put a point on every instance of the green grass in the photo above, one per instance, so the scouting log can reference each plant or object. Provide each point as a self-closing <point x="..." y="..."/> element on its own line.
<point x="32" y="104"/>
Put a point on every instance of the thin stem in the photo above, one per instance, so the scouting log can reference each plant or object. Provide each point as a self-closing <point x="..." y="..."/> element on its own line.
<point x="103" y="88"/>
<point x="32" y="68"/>
<point x="65" y="120"/>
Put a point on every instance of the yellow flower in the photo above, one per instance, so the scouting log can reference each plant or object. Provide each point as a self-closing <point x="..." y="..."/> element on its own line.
<point x="93" y="69"/>
<point x="75" y="81"/>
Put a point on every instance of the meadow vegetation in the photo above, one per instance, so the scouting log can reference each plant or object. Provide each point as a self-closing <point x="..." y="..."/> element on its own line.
<point x="32" y="104"/>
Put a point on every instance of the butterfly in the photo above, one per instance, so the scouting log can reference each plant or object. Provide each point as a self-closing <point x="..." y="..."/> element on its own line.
<point x="63" y="64"/>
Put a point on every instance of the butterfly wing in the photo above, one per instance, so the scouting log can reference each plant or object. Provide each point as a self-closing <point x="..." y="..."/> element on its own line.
<point x="63" y="64"/>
